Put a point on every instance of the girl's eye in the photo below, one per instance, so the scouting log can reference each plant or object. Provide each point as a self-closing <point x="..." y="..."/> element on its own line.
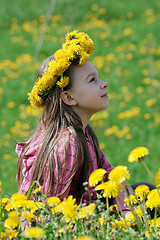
<point x="92" y="79"/>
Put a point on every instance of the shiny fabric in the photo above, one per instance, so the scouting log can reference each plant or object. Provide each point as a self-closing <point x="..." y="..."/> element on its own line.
<point x="66" y="173"/>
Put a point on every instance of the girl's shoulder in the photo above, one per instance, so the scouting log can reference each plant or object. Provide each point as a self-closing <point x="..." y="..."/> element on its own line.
<point x="89" y="136"/>
<point x="67" y="136"/>
<point x="67" y="146"/>
<point x="33" y="145"/>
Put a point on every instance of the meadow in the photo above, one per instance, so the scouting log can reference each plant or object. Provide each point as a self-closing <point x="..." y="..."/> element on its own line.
<point x="126" y="37"/>
<point x="127" y="55"/>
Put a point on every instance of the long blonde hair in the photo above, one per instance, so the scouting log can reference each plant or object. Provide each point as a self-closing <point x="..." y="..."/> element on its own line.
<point x="55" y="119"/>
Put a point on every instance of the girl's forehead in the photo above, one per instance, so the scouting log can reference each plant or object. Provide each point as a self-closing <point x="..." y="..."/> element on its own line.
<point x="84" y="70"/>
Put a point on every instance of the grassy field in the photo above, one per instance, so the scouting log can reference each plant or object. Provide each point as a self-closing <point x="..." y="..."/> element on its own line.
<point x="126" y="36"/>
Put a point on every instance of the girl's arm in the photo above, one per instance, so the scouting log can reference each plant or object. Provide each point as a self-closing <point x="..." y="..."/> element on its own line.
<point x="105" y="164"/>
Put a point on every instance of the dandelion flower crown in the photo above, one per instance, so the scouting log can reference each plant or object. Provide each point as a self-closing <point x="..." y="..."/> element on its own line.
<point x="77" y="47"/>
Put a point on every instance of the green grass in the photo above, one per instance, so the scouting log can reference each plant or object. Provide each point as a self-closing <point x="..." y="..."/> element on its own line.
<point x="17" y="77"/>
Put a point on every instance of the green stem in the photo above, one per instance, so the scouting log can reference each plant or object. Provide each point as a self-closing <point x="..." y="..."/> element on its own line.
<point x="140" y="226"/>
<point x="149" y="172"/>
<point x="155" y="216"/>
<point x="144" y="214"/>
<point x="107" y="203"/>
<point x="82" y="224"/>
<point x="30" y="189"/>
<point x="124" y="219"/>
<point x="139" y="223"/>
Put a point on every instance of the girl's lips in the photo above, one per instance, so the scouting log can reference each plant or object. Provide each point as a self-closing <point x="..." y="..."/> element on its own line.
<point x="105" y="95"/>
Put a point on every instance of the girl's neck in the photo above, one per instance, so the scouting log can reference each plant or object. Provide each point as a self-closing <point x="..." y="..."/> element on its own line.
<point x="85" y="117"/>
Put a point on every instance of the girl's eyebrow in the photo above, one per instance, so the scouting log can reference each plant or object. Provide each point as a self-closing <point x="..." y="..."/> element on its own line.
<point x="92" y="74"/>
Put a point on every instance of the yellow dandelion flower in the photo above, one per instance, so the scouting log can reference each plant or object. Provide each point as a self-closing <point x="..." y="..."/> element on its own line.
<point x="13" y="214"/>
<point x="84" y="238"/>
<point x="11" y="104"/>
<point x="12" y="233"/>
<point x="157" y="178"/>
<point x="153" y="199"/>
<point x="53" y="201"/>
<point x="130" y="200"/>
<point x="17" y="200"/>
<point x="127" y="31"/>
<point x="87" y="211"/>
<point x="9" y="205"/>
<point x="119" y="174"/>
<point x="138" y="154"/>
<point x="96" y="176"/>
<point x="34" y="232"/>
<point x="64" y="229"/>
<point x="71" y="35"/>
<point x="142" y="191"/>
<point x="5" y="200"/>
<point x="150" y="102"/>
<point x="12" y="222"/>
<point x="37" y="190"/>
<point x="64" y="81"/>
<point x="31" y="205"/>
<point x="69" y="208"/>
<point x="102" y="145"/>
<point x="130" y="217"/>
<point x="3" y="236"/>
<point x="84" y="58"/>
<point x="110" y="189"/>
<point x="147" y="116"/>
<point x="28" y="216"/>
<point x="101" y="220"/>
<point x="19" y="203"/>
<point x="138" y="211"/>
<point x="118" y="224"/>
<point x="155" y="222"/>
<point x="59" y="54"/>
<point x="147" y="234"/>
<point x="18" y="196"/>
<point x="58" y="208"/>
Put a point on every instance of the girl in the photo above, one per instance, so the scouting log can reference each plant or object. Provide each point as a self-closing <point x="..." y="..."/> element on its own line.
<point x="64" y="150"/>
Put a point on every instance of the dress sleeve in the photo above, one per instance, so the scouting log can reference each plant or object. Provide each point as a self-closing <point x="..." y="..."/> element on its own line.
<point x="27" y="162"/>
<point x="105" y="164"/>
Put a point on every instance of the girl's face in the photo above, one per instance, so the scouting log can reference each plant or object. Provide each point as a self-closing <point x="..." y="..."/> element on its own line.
<point x="88" y="90"/>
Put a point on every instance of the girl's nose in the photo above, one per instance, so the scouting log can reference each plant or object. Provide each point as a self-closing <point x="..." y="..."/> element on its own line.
<point x="104" y="85"/>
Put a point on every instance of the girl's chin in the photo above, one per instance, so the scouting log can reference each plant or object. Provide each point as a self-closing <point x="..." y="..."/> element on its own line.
<point x="107" y="105"/>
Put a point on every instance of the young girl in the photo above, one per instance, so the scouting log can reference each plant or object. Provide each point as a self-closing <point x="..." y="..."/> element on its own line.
<point x="64" y="150"/>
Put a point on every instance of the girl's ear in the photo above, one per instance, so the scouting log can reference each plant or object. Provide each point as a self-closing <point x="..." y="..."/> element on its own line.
<point x="68" y="99"/>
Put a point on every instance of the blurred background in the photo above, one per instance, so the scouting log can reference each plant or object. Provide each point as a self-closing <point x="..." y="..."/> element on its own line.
<point x="127" y="55"/>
